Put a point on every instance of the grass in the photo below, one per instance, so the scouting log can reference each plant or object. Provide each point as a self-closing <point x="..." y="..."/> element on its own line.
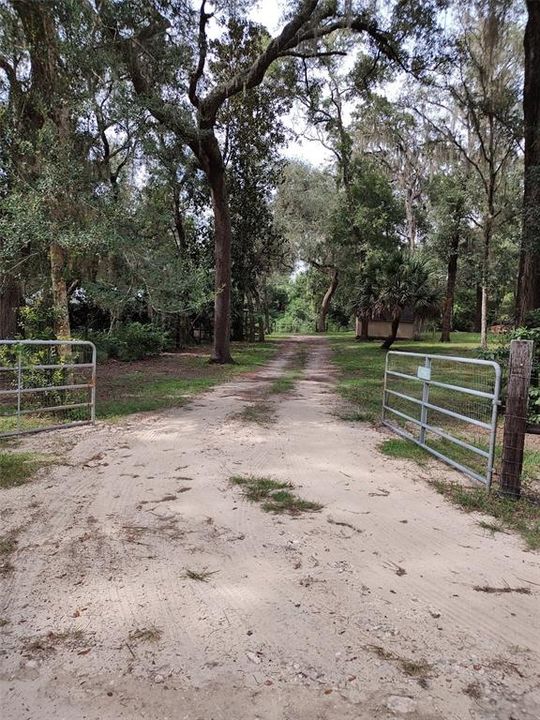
<point x="17" y="468"/>
<point x="147" y="389"/>
<point x="157" y="383"/>
<point x="274" y="496"/>
<point x="404" y="449"/>
<point x="284" y="384"/>
<point x="284" y="501"/>
<point x="256" y="489"/>
<point x="522" y="516"/>
<point x="260" y="413"/>
<point x="361" y="366"/>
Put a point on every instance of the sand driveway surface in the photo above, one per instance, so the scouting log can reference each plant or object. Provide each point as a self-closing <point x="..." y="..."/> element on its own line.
<point x="144" y="585"/>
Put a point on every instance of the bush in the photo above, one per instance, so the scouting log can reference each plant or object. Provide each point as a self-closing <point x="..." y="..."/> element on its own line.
<point x="134" y="341"/>
<point x="501" y="354"/>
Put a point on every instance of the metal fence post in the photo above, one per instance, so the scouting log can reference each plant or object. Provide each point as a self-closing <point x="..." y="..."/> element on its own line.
<point x="93" y="387"/>
<point x="384" y="387"/>
<point x="425" y="400"/>
<point x="19" y="386"/>
<point x="515" y="418"/>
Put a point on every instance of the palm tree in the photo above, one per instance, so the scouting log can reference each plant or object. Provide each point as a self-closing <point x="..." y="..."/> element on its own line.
<point x="407" y="281"/>
<point x="367" y="292"/>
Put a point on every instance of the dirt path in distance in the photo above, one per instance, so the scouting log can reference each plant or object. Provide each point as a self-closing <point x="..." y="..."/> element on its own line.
<point x="145" y="586"/>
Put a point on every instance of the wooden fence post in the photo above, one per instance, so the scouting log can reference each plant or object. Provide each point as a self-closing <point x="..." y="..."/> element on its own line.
<point x="515" y="418"/>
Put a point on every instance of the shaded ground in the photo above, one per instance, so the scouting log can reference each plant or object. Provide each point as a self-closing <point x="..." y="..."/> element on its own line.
<point x="143" y="584"/>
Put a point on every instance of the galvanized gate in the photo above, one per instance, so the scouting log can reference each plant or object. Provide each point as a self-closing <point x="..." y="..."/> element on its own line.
<point x="46" y="384"/>
<point x="447" y="405"/>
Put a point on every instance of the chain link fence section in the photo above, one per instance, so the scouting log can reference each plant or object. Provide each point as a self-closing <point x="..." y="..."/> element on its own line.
<point x="46" y="384"/>
<point x="447" y="405"/>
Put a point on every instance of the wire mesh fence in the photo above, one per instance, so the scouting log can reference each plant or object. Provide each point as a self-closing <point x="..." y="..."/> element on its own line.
<point x="448" y="405"/>
<point x="45" y="384"/>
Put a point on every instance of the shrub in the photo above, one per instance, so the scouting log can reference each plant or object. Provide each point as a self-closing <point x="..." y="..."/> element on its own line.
<point x="501" y="355"/>
<point x="133" y="341"/>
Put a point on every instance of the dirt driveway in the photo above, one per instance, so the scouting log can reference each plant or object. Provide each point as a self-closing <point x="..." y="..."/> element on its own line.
<point x="366" y="609"/>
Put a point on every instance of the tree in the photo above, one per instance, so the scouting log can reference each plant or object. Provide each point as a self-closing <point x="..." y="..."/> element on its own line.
<point x="406" y="280"/>
<point x="478" y="113"/>
<point x="528" y="286"/>
<point x="393" y="135"/>
<point x="254" y="136"/>
<point x="367" y="292"/>
<point x="306" y="203"/>
<point x="451" y="219"/>
<point x="142" y="39"/>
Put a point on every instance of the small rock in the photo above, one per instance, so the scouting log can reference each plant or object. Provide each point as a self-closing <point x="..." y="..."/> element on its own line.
<point x="434" y="613"/>
<point x="253" y="657"/>
<point x="159" y="679"/>
<point x="400" y="704"/>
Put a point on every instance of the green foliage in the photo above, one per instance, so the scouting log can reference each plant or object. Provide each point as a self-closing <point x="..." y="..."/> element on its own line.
<point x="133" y="341"/>
<point x="501" y="354"/>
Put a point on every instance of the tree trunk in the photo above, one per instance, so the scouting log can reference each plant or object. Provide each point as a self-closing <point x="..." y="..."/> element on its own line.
<point x="478" y="309"/>
<point x="260" y="326"/>
<point x="418" y="325"/>
<point x="62" y="328"/>
<point x="215" y="172"/>
<point x="251" y="319"/>
<point x="448" y="307"/>
<point x="528" y="289"/>
<point x="488" y="231"/>
<point x="390" y="340"/>
<point x="266" y="310"/>
<point x="10" y="300"/>
<point x="327" y="299"/>
<point x="364" y="328"/>
<point x="483" y="320"/>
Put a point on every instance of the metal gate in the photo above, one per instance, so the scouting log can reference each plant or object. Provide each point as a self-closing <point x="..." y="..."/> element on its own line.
<point x="447" y="405"/>
<point x="46" y="384"/>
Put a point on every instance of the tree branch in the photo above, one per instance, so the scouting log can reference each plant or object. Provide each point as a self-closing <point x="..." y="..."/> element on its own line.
<point x="204" y="17"/>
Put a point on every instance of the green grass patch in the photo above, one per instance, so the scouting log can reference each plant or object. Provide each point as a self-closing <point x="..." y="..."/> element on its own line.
<point x="361" y="365"/>
<point x="260" y="413"/>
<point x="274" y="496"/>
<point x="284" y="501"/>
<point x="402" y="448"/>
<point x="522" y="516"/>
<point x="152" y="387"/>
<point x="284" y="384"/>
<point x="17" y="468"/>
<point x="256" y="489"/>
